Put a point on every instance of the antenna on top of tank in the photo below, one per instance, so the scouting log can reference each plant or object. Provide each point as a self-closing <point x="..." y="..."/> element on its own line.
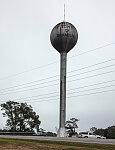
<point x="64" y="12"/>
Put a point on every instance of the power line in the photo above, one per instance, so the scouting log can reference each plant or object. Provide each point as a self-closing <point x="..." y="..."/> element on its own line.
<point x="81" y="95"/>
<point x="31" y="85"/>
<point x="58" y="75"/>
<point x="32" y="82"/>
<point x="30" y="89"/>
<point x="92" y="70"/>
<point x="10" y="88"/>
<point x="29" y="97"/>
<point x="93" y="65"/>
<point x="92" y="76"/>
<point x="92" y="50"/>
<point x="39" y="96"/>
<point x="91" y="85"/>
<point x="68" y="81"/>
<point x="76" y="96"/>
<point x="93" y="89"/>
<point x="39" y="67"/>
<point x="77" y="92"/>
<point x="93" y="93"/>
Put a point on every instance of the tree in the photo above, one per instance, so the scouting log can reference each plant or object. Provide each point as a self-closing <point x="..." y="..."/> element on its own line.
<point x="93" y="129"/>
<point x="110" y="132"/>
<point x="71" y="126"/>
<point x="100" y="132"/>
<point x="21" y="116"/>
<point x="11" y="109"/>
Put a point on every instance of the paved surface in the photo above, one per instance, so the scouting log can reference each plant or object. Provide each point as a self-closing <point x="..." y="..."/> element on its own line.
<point x="81" y="140"/>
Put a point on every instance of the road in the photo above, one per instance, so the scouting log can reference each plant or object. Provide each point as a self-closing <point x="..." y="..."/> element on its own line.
<point x="81" y="140"/>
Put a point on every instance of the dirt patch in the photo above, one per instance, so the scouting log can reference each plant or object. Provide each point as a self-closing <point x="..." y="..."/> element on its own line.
<point x="34" y="146"/>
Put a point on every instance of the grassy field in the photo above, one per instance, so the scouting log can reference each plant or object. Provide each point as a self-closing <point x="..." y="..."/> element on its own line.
<point x="25" y="144"/>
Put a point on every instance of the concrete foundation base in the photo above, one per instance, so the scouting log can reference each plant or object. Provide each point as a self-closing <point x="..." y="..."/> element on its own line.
<point x="62" y="132"/>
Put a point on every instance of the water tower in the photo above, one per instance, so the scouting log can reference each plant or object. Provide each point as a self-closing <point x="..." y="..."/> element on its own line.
<point x="63" y="38"/>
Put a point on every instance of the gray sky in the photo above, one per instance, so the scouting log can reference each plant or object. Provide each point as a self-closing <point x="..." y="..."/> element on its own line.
<point x="26" y="55"/>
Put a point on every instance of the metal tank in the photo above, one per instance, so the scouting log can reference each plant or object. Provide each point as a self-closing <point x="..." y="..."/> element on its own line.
<point x="63" y="38"/>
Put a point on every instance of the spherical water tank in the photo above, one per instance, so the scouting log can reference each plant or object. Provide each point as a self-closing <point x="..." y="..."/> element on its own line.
<point x="63" y="37"/>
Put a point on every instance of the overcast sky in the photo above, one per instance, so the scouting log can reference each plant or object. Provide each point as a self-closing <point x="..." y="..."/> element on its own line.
<point x="30" y="66"/>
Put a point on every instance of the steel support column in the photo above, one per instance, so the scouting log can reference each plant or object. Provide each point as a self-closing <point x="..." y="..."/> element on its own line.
<point x="63" y="62"/>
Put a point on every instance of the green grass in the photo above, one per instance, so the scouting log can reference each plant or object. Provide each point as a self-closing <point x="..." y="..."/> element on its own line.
<point x="73" y="144"/>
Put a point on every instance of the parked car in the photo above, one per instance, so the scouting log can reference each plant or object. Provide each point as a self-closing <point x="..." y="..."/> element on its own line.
<point x="90" y="135"/>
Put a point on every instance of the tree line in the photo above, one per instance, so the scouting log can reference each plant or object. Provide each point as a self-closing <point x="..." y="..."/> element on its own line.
<point x="109" y="132"/>
<point x="22" y="118"/>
